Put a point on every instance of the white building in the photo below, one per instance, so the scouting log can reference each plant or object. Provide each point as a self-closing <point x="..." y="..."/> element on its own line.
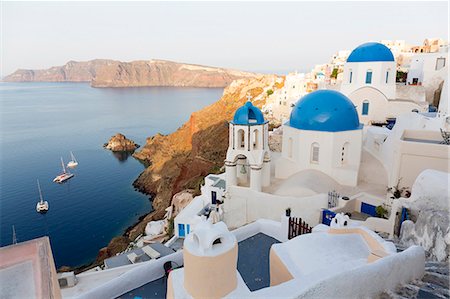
<point x="212" y="194"/>
<point x="369" y="81"/>
<point x="248" y="155"/>
<point x="280" y="104"/>
<point x="324" y="134"/>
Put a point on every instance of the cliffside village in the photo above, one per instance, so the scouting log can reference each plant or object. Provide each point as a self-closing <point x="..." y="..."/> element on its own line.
<point x="347" y="197"/>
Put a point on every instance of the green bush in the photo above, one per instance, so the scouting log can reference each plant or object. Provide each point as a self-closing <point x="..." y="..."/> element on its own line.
<point x="170" y="227"/>
<point x="269" y="92"/>
<point x="381" y="211"/>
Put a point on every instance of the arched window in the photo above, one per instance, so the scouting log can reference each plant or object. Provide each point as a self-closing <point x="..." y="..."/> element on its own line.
<point x="315" y="152"/>
<point x="255" y="139"/>
<point x="344" y="153"/>
<point x="290" y="144"/>
<point x="241" y="139"/>
<point x="369" y="77"/>
<point x="365" y="108"/>
<point x="350" y="77"/>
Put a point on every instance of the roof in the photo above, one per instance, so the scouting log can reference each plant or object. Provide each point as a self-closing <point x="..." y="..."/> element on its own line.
<point x="27" y="270"/>
<point x="324" y="110"/>
<point x="371" y="52"/>
<point x="122" y="259"/>
<point x="248" y="115"/>
<point x="220" y="184"/>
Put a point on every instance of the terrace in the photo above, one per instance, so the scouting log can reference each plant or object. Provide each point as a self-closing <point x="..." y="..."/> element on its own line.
<point x="253" y="265"/>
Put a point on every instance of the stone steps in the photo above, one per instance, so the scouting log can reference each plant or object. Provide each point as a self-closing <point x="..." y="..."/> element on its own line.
<point x="434" y="284"/>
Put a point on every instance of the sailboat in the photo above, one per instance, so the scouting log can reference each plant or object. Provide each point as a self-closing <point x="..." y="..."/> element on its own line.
<point x="64" y="176"/>
<point x="42" y="205"/>
<point x="73" y="163"/>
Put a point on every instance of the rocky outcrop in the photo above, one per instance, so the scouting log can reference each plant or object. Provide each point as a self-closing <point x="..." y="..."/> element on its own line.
<point x="180" y="160"/>
<point x="119" y="143"/>
<point x="430" y="214"/>
<point x="112" y="73"/>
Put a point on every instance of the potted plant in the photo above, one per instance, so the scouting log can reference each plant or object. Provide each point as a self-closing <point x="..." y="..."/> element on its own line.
<point x="288" y="212"/>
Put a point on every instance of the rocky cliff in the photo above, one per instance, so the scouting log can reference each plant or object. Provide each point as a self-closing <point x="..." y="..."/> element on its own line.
<point x="112" y="73"/>
<point x="119" y="143"/>
<point x="180" y="160"/>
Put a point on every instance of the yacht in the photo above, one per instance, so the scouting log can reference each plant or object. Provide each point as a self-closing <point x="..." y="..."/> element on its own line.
<point x="42" y="205"/>
<point x="73" y="163"/>
<point x="64" y="176"/>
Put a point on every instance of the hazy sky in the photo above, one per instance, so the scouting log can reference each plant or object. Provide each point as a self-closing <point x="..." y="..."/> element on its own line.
<point x="257" y="36"/>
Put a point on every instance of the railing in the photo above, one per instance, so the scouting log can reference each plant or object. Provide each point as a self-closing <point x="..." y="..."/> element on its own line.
<point x="297" y="227"/>
<point x="333" y="198"/>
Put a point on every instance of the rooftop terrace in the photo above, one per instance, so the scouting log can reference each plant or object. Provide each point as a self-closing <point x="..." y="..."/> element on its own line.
<point x="253" y="265"/>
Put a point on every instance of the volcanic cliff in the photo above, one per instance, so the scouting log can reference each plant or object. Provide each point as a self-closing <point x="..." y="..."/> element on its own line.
<point x="112" y="73"/>
<point x="181" y="160"/>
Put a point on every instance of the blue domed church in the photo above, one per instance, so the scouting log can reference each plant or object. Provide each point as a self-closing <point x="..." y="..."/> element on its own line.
<point x="323" y="133"/>
<point x="248" y="156"/>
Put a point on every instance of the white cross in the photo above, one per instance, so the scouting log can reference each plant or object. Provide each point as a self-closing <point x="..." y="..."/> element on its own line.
<point x="249" y="98"/>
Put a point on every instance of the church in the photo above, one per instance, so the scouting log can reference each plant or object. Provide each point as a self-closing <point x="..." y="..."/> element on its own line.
<point x="369" y="80"/>
<point x="323" y="133"/>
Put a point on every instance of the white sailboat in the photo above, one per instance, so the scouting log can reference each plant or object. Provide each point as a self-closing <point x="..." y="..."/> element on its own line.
<point x="42" y="205"/>
<point x="64" y="176"/>
<point x="73" y="163"/>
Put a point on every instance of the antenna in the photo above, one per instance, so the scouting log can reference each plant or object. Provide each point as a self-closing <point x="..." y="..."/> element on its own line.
<point x="14" y="237"/>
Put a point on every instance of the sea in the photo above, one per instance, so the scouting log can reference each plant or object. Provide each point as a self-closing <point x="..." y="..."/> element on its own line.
<point x="42" y="122"/>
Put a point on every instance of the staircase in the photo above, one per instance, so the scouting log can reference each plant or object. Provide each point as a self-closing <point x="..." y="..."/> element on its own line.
<point x="433" y="285"/>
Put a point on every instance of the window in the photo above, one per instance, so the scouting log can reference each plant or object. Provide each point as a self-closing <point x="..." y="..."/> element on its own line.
<point x="387" y="77"/>
<point x="241" y="139"/>
<point x="365" y="108"/>
<point x="350" y="79"/>
<point x="315" y="153"/>
<point x="368" y="77"/>
<point x="255" y="139"/>
<point x="440" y="63"/>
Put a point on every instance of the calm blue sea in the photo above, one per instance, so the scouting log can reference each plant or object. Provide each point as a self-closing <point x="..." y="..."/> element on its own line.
<point x="40" y="122"/>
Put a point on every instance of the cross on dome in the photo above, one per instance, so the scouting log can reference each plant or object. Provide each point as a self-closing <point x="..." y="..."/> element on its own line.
<point x="249" y="97"/>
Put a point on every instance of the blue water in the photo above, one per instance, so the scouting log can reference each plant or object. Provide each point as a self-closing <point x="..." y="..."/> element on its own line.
<point x="40" y="122"/>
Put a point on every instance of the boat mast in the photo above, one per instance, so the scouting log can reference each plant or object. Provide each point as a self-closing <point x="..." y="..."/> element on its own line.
<point x="62" y="163"/>
<point x="14" y="237"/>
<point x="73" y="157"/>
<point x="40" y="192"/>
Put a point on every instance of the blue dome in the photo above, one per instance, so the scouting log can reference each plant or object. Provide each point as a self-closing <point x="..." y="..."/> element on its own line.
<point x="248" y="115"/>
<point x="371" y="52"/>
<point x="325" y="110"/>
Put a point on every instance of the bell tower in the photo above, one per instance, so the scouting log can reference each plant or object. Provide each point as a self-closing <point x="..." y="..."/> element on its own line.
<point x="248" y="155"/>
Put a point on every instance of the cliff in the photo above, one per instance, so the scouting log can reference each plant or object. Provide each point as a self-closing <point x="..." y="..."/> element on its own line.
<point x="180" y="160"/>
<point x="112" y="73"/>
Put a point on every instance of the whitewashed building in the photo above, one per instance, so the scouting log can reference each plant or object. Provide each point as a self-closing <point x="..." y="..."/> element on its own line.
<point x="369" y="80"/>
<point x="324" y="134"/>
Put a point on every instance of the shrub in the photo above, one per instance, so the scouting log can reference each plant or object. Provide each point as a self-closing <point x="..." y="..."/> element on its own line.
<point x="269" y="92"/>
<point x="381" y="211"/>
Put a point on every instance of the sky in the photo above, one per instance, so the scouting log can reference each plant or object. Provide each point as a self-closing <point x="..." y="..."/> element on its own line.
<point x="254" y="36"/>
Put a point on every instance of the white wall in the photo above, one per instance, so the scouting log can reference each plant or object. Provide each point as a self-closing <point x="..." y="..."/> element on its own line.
<point x="367" y="281"/>
<point x="380" y="108"/>
<point x="379" y="69"/>
<point x="244" y="205"/>
<point x="330" y="154"/>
